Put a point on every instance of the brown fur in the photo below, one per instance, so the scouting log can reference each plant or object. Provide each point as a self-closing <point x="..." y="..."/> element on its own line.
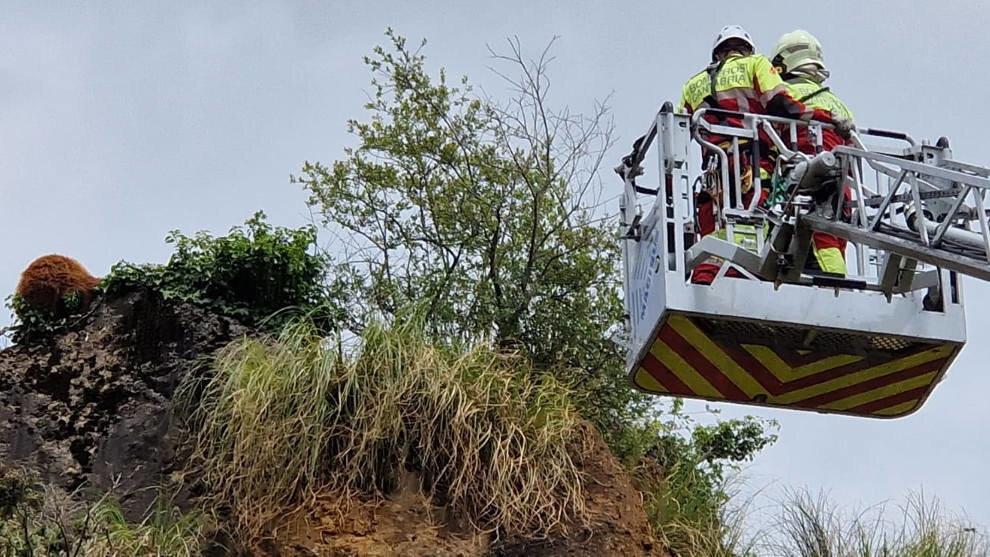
<point x="48" y="279"/>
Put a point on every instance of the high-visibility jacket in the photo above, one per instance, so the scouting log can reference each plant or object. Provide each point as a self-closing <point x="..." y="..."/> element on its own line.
<point x="815" y="96"/>
<point x="829" y="251"/>
<point x="744" y="84"/>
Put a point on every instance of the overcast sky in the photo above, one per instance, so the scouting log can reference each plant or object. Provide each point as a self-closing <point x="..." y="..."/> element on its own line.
<point x="119" y="123"/>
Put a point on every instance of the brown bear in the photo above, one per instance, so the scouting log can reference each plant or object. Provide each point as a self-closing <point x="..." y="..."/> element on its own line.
<point x="50" y="278"/>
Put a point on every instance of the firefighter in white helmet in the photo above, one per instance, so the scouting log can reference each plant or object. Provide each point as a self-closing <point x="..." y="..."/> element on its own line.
<point x="798" y="57"/>
<point x="737" y="79"/>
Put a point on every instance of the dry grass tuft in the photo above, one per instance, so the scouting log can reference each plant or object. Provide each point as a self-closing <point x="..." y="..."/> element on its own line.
<point x="283" y="418"/>
<point x="814" y="526"/>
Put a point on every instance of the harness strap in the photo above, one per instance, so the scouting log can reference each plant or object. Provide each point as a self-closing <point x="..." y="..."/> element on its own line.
<point x="810" y="96"/>
<point x="712" y="98"/>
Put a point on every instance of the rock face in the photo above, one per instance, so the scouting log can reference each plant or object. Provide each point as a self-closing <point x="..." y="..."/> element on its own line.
<point x="92" y="406"/>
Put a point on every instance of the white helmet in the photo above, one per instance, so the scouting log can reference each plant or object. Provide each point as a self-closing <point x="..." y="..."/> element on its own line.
<point x="730" y="32"/>
<point x="798" y="48"/>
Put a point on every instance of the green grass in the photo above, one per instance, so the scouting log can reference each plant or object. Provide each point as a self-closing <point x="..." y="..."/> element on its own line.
<point x="691" y="517"/>
<point x="283" y="418"/>
<point x="166" y="531"/>
<point x="36" y="520"/>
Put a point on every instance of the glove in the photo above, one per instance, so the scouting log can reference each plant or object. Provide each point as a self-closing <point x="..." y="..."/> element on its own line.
<point x="843" y="126"/>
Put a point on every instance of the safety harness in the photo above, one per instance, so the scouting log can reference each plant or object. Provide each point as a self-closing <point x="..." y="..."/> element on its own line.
<point x="712" y="98"/>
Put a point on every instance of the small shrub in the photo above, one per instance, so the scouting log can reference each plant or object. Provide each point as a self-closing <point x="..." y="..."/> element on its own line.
<point x="684" y="471"/>
<point x="31" y="323"/>
<point x="34" y="520"/>
<point x="17" y="492"/>
<point x="689" y="513"/>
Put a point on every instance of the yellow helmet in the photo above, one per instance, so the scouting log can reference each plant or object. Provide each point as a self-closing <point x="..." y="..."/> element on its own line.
<point x="798" y="48"/>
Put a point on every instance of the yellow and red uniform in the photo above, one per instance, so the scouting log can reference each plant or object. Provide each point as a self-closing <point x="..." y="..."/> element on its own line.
<point x="829" y="251"/>
<point x="741" y="83"/>
<point x="745" y="84"/>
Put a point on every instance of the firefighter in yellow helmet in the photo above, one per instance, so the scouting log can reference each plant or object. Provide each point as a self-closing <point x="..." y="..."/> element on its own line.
<point x="798" y="57"/>
<point x="737" y="79"/>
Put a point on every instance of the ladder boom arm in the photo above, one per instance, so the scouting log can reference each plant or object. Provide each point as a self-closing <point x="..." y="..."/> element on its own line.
<point x="927" y="226"/>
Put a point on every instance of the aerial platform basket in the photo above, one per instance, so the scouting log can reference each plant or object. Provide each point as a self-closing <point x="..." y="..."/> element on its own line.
<point x="874" y="343"/>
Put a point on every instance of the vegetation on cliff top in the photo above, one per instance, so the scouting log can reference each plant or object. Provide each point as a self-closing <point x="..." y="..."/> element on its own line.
<point x="285" y="418"/>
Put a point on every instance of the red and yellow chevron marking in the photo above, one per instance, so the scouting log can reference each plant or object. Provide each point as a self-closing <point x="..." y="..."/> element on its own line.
<point x="685" y="361"/>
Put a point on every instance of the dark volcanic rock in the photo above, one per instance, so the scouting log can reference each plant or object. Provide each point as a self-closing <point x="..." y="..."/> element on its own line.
<point x="93" y="406"/>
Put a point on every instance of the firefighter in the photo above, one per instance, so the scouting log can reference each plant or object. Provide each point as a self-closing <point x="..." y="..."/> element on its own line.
<point x="737" y="79"/>
<point x="798" y="57"/>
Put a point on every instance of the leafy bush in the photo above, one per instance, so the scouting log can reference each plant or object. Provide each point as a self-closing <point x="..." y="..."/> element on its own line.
<point x="31" y="323"/>
<point x="253" y="272"/>
<point x="286" y="417"/>
<point x="681" y="468"/>
<point x="17" y="491"/>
